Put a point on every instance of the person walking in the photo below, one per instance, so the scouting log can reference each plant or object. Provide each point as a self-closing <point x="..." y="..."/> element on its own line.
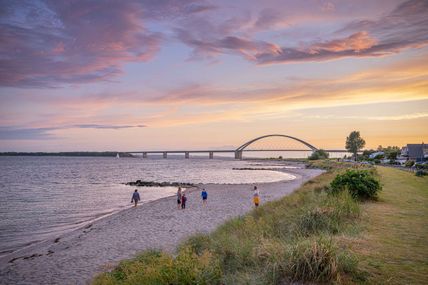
<point x="179" y="194"/>
<point x="183" y="201"/>
<point x="256" y="197"/>
<point x="256" y="200"/>
<point x="204" y="196"/>
<point x="135" y="198"/>
<point x="256" y="191"/>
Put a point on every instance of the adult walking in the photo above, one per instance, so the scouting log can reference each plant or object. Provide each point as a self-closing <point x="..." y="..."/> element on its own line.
<point x="179" y="196"/>
<point x="135" y="197"/>
<point x="183" y="201"/>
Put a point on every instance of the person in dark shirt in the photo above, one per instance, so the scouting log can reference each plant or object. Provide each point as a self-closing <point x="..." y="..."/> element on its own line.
<point x="204" y="196"/>
<point x="135" y="197"/>
<point x="179" y="194"/>
<point x="183" y="201"/>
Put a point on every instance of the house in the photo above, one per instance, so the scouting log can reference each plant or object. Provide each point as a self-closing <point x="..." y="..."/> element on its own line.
<point x="416" y="152"/>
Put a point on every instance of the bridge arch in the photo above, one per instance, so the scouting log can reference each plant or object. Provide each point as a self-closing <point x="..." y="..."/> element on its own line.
<point x="245" y="145"/>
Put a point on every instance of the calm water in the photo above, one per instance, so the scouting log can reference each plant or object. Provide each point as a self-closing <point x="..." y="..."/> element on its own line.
<point x="41" y="197"/>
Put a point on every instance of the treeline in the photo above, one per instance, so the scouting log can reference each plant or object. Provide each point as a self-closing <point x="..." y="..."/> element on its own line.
<point x="71" y="153"/>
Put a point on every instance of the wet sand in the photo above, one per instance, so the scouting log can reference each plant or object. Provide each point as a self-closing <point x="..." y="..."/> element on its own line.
<point x="76" y="257"/>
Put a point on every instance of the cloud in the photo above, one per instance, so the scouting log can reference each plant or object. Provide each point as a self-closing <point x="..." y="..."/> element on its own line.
<point x="230" y="44"/>
<point x="355" y="43"/>
<point x="49" y="43"/>
<point x="16" y="133"/>
<point x="412" y="116"/>
<point x="11" y="133"/>
<point x="405" y="27"/>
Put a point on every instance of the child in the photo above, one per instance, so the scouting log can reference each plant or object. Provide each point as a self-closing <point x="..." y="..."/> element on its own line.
<point x="256" y="200"/>
<point x="204" y="196"/>
<point x="183" y="201"/>
<point x="256" y="191"/>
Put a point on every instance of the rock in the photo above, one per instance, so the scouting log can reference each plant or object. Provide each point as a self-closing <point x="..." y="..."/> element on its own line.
<point x="159" y="184"/>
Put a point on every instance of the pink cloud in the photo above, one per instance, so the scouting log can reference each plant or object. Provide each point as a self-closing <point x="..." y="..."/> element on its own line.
<point x="46" y="43"/>
<point x="405" y="27"/>
<point x="356" y="42"/>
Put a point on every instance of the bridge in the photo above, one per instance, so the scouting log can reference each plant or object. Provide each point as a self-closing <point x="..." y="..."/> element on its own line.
<point x="239" y="151"/>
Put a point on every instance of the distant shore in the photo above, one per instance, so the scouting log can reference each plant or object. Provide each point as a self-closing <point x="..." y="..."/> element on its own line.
<point x="76" y="257"/>
<point x="70" y="153"/>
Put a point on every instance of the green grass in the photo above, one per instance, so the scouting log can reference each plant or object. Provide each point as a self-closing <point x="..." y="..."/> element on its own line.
<point x="309" y="236"/>
<point x="393" y="248"/>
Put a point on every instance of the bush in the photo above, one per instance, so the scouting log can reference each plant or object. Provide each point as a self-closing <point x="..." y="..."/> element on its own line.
<point x="319" y="154"/>
<point x="409" y="163"/>
<point x="421" y="166"/>
<point x="361" y="184"/>
<point x="155" y="267"/>
<point x="420" y="173"/>
<point x="313" y="261"/>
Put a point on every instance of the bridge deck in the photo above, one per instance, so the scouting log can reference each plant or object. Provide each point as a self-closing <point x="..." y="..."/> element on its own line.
<point x="227" y="151"/>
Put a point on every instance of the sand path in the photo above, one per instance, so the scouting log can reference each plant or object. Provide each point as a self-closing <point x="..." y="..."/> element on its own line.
<point x="77" y="256"/>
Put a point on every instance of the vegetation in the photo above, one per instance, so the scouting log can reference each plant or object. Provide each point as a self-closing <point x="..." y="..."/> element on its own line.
<point x="319" y="154"/>
<point x="393" y="249"/>
<point x="287" y="240"/>
<point x="354" y="142"/>
<point x="361" y="184"/>
<point x="309" y="236"/>
<point x="72" y="153"/>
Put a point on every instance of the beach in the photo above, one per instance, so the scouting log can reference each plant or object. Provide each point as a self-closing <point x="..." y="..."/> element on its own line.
<point x="76" y="257"/>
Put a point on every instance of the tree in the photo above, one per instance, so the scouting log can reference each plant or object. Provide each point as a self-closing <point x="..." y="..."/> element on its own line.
<point x="319" y="154"/>
<point x="354" y="143"/>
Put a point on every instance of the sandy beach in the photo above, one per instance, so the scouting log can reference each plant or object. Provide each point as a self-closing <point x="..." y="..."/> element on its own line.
<point x="76" y="257"/>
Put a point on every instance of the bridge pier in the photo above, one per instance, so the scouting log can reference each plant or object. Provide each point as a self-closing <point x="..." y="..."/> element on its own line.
<point x="186" y="155"/>
<point x="144" y="154"/>
<point x="211" y="155"/>
<point x="165" y="154"/>
<point x="238" y="154"/>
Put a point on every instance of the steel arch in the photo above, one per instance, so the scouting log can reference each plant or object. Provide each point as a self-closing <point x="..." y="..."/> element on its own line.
<point x="242" y="147"/>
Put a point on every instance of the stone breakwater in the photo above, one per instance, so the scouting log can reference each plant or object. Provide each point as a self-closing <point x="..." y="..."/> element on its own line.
<point x="142" y="183"/>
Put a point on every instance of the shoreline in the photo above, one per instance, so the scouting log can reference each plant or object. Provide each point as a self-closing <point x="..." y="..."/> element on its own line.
<point x="76" y="257"/>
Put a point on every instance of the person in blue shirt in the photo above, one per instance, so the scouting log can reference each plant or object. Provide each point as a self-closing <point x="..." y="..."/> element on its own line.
<point x="204" y="196"/>
<point x="135" y="197"/>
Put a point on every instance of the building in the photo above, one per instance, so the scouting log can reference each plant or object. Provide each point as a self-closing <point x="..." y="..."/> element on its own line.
<point x="416" y="152"/>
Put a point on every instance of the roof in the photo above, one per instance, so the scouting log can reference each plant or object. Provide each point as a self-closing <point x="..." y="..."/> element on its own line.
<point x="416" y="150"/>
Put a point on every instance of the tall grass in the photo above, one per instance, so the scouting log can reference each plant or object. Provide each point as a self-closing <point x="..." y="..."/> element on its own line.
<point x="291" y="239"/>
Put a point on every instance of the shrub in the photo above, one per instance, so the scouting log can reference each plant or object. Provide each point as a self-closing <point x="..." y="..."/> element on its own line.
<point x="409" y="163"/>
<point x="421" y="166"/>
<point x="312" y="261"/>
<point x="155" y="267"/>
<point x="316" y="220"/>
<point x="319" y="154"/>
<point x="361" y="184"/>
<point x="420" y="173"/>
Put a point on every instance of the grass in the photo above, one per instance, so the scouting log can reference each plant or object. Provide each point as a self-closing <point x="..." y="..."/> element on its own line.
<point x="394" y="246"/>
<point x="309" y="236"/>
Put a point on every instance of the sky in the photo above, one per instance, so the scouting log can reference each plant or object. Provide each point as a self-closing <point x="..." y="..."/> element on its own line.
<point x="185" y="74"/>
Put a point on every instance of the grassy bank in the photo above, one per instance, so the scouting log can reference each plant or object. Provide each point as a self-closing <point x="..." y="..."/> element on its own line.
<point x="393" y="248"/>
<point x="307" y="236"/>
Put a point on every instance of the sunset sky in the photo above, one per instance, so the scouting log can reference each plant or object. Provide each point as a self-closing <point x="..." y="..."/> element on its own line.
<point x="174" y="74"/>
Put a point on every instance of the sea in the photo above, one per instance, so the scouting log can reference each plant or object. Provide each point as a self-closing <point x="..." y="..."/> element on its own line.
<point x="43" y="197"/>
